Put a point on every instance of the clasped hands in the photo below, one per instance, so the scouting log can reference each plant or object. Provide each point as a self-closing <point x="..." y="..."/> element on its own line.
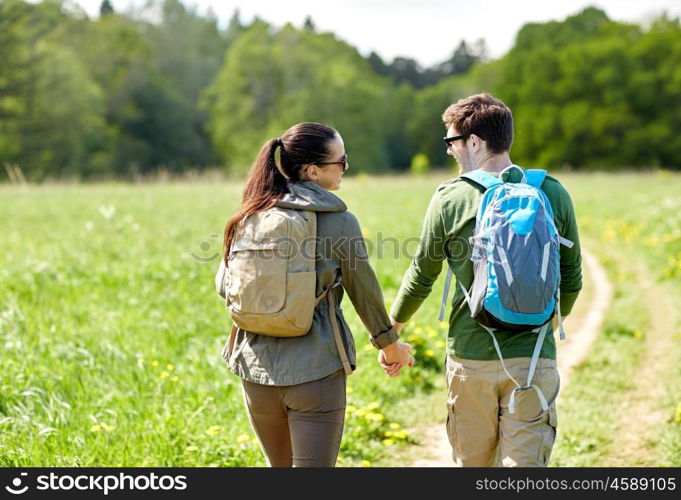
<point x="395" y="356"/>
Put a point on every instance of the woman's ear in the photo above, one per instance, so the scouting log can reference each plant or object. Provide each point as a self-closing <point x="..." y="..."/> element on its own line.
<point x="310" y="173"/>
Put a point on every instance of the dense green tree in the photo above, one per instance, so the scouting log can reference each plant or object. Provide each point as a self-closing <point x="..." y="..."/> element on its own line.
<point x="66" y="132"/>
<point x="590" y="92"/>
<point x="52" y="109"/>
<point x="309" y="24"/>
<point x="274" y="78"/>
<point x="122" y="94"/>
<point x="406" y="70"/>
<point x="425" y="127"/>
<point x="16" y="61"/>
<point x="189" y="49"/>
<point x="105" y="8"/>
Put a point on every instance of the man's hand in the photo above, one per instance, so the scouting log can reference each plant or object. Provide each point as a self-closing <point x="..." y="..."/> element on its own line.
<point x="393" y="357"/>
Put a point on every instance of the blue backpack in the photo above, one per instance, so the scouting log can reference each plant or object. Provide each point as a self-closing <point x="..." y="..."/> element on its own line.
<point x="516" y="262"/>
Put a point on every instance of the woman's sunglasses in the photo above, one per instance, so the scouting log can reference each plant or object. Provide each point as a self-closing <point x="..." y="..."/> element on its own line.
<point x="343" y="161"/>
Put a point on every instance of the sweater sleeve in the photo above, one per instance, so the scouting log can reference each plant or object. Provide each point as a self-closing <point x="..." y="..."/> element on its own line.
<point x="362" y="286"/>
<point x="424" y="269"/>
<point x="570" y="258"/>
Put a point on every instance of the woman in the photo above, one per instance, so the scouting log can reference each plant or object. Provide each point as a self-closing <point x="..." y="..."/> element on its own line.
<point x="294" y="388"/>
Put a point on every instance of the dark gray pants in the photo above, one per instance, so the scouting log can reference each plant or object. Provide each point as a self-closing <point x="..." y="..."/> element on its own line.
<point x="298" y="425"/>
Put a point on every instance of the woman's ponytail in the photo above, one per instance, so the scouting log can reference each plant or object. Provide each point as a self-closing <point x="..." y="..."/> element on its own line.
<point x="265" y="185"/>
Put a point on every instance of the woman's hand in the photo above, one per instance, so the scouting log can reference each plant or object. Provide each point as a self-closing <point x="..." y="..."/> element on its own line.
<point x="393" y="357"/>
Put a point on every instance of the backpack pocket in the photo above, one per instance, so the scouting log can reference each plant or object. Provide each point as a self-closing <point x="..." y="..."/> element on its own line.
<point x="526" y="272"/>
<point x="256" y="281"/>
<point x="300" y="299"/>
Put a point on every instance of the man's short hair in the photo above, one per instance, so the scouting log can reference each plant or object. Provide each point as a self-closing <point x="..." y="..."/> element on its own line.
<point x="485" y="116"/>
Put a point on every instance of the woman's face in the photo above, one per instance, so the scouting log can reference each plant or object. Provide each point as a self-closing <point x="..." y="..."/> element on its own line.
<point x="328" y="174"/>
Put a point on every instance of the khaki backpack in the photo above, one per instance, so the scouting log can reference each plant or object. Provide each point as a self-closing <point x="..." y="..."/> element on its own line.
<point x="269" y="284"/>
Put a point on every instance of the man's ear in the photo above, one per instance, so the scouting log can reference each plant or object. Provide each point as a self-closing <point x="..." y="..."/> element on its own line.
<point x="477" y="141"/>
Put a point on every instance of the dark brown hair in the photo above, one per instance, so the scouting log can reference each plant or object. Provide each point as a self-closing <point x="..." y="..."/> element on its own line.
<point x="485" y="116"/>
<point x="301" y="145"/>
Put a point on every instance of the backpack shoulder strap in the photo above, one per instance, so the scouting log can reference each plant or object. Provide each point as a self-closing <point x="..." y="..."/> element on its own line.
<point x="535" y="177"/>
<point x="483" y="178"/>
<point x="445" y="293"/>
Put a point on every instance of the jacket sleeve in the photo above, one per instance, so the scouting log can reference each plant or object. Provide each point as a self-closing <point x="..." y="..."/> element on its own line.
<point x="361" y="284"/>
<point x="426" y="266"/>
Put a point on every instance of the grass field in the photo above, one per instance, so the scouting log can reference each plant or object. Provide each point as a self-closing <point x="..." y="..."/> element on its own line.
<point x="111" y="330"/>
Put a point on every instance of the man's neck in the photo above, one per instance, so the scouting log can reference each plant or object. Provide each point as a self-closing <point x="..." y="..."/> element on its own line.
<point x="494" y="163"/>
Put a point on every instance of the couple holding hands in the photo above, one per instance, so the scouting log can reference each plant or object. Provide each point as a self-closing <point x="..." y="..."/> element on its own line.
<point x="294" y="387"/>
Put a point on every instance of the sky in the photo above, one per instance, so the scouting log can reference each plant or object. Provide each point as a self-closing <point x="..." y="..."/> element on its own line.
<point x="425" y="30"/>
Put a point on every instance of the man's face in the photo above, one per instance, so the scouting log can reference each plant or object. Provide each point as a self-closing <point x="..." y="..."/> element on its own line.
<point x="459" y="150"/>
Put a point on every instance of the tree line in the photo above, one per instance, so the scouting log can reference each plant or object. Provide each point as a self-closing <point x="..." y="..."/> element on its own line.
<point x="166" y="87"/>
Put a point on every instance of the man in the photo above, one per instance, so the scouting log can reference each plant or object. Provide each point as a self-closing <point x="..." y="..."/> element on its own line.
<point x="481" y="429"/>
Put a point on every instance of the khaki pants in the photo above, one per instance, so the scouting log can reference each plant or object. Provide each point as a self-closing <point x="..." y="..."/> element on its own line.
<point x="481" y="430"/>
<point x="298" y="425"/>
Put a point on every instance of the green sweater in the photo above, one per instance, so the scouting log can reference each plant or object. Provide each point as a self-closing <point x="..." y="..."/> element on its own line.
<point x="449" y="222"/>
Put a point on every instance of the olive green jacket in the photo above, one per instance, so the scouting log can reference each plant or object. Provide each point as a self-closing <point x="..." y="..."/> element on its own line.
<point x="341" y="258"/>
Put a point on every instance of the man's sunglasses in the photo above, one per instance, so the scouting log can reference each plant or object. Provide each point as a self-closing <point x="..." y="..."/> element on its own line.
<point x="343" y="161"/>
<point x="449" y="140"/>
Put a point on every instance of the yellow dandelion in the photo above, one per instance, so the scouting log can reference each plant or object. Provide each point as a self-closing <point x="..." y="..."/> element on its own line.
<point x="175" y="378"/>
<point x="106" y="427"/>
<point x="349" y="390"/>
<point x="191" y="448"/>
<point x="440" y="344"/>
<point x="243" y="438"/>
<point x="154" y="363"/>
<point x="374" y="417"/>
<point x="400" y="435"/>
<point x="140" y="361"/>
<point x="418" y="379"/>
<point x="170" y="367"/>
<point x="360" y="412"/>
<point x="431" y="332"/>
<point x="213" y="430"/>
<point x="677" y="414"/>
<point x="366" y="463"/>
<point x="368" y="347"/>
<point x="373" y="405"/>
<point x="638" y="334"/>
<point x="350" y="409"/>
<point x="429" y="352"/>
<point x="394" y="425"/>
<point x="418" y="330"/>
<point x="388" y="442"/>
<point x="165" y="374"/>
<point x="96" y="428"/>
<point x="651" y="241"/>
<point x="388" y="434"/>
<point x="444" y="324"/>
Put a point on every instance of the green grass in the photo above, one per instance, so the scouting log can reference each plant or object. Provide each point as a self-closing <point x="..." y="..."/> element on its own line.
<point x="636" y="235"/>
<point x="95" y="305"/>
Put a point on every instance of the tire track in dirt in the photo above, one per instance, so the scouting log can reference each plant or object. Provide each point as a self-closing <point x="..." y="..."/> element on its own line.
<point x="639" y="414"/>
